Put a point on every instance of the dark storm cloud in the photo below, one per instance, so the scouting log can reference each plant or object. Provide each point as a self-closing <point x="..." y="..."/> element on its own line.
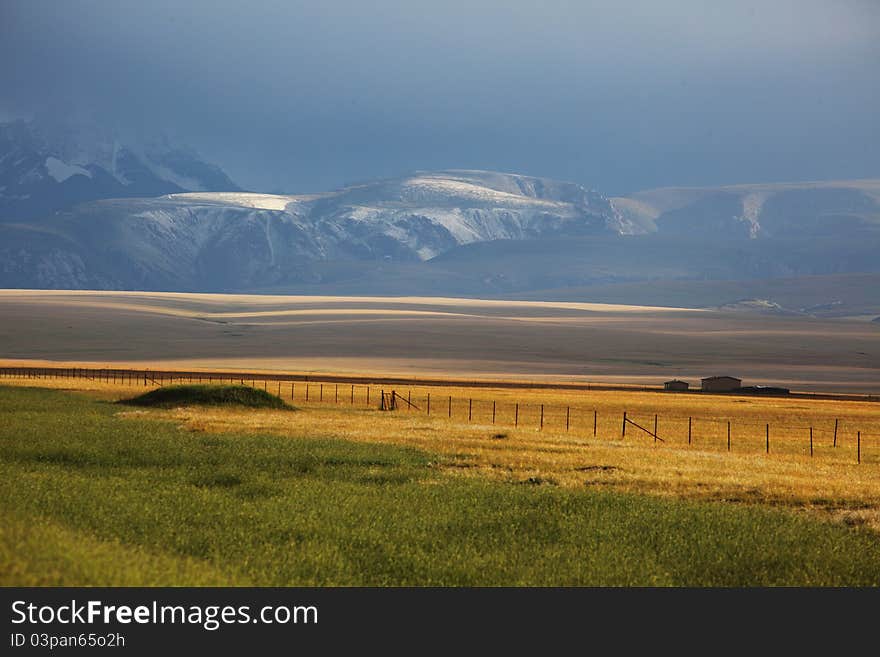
<point x="305" y="96"/>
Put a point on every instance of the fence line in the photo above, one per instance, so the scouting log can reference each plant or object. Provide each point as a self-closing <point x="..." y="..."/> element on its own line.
<point x="518" y="414"/>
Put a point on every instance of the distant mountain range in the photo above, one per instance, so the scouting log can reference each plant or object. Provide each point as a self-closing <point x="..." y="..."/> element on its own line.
<point x="50" y="166"/>
<point x="82" y="210"/>
<point x="826" y="208"/>
<point x="238" y="240"/>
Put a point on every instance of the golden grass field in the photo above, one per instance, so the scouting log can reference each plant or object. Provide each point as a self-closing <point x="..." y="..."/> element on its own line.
<point x="477" y="340"/>
<point x="830" y="483"/>
<point x="437" y="337"/>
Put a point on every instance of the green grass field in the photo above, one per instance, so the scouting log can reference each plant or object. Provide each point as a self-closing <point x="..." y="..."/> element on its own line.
<point x="89" y="497"/>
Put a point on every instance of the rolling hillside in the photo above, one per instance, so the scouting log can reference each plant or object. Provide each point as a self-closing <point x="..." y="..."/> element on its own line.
<point x="825" y="208"/>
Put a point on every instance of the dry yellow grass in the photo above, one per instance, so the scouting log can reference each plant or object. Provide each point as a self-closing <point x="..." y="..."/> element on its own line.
<point x="830" y="482"/>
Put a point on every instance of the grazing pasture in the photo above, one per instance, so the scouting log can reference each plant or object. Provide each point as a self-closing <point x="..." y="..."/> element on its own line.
<point x="93" y="494"/>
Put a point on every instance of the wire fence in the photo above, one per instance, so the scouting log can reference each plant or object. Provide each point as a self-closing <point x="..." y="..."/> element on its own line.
<point x="850" y="439"/>
<point x="846" y="438"/>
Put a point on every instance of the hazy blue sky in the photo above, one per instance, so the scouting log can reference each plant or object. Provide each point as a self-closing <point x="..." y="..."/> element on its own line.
<point x="617" y="95"/>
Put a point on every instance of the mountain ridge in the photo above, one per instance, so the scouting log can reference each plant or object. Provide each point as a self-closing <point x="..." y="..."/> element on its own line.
<point x="753" y="209"/>
<point x="240" y="239"/>
<point x="453" y="231"/>
<point x="45" y="167"/>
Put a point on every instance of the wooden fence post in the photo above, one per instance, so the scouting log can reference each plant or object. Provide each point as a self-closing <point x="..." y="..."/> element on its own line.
<point x="321" y="393"/>
<point x="768" y="438"/>
<point x="449" y="412"/>
<point x="516" y="415"/>
<point x="336" y="393"/>
<point x="292" y="386"/>
<point x="595" y="421"/>
<point x="728" y="435"/>
<point x="352" y="394"/>
<point x="623" y="430"/>
<point x="859" y="447"/>
<point x="493" y="411"/>
<point x="567" y="416"/>
<point x="307" y="392"/>
<point x="811" y="441"/>
<point x="835" y="432"/>
<point x="470" y="409"/>
<point x="428" y="404"/>
<point x="690" y="421"/>
<point x="655" y="427"/>
<point x="542" y="418"/>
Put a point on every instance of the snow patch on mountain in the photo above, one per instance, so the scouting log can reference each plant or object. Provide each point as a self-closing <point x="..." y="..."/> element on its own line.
<point x="425" y="188"/>
<point x="61" y="171"/>
<point x="752" y="204"/>
<point x="241" y="199"/>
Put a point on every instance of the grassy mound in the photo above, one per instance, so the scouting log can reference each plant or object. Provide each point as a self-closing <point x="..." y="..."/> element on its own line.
<point x="207" y="395"/>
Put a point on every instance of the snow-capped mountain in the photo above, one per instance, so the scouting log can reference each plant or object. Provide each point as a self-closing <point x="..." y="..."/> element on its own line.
<point x="235" y="240"/>
<point x="443" y="232"/>
<point x="50" y="166"/>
